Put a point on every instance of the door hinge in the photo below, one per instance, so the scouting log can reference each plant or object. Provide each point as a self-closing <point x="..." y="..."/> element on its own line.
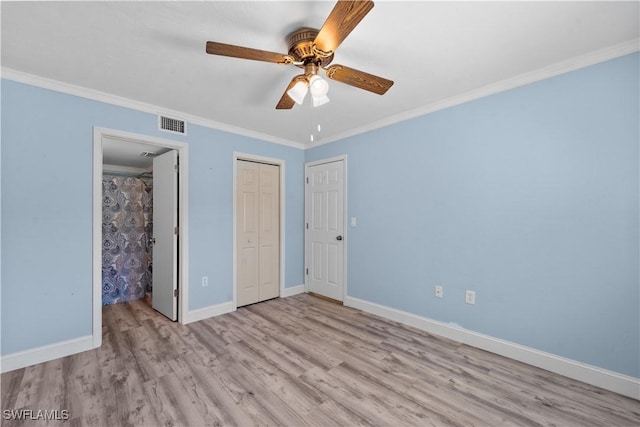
<point x="307" y="180"/>
<point x="176" y="230"/>
<point x="307" y="271"/>
<point x="175" y="293"/>
<point x="307" y="226"/>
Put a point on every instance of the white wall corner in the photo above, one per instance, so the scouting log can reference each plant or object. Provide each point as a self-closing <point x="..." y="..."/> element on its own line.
<point x="207" y="312"/>
<point x="609" y="380"/>
<point x="22" y="359"/>
<point x="291" y="291"/>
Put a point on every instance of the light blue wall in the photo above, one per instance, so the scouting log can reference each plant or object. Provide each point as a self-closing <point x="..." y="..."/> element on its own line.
<point x="529" y="197"/>
<point x="47" y="143"/>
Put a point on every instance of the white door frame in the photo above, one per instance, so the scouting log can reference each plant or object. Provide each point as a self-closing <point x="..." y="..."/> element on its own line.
<point x="260" y="159"/>
<point x="345" y="240"/>
<point x="183" y="220"/>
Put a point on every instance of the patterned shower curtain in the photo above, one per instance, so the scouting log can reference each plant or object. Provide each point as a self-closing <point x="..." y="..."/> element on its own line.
<point x="126" y="230"/>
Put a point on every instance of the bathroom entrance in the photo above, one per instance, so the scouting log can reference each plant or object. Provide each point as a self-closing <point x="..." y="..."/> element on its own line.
<point x="139" y="235"/>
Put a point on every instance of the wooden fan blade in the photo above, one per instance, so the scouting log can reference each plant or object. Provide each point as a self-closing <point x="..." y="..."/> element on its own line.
<point x="341" y="21"/>
<point x="359" y="79"/>
<point x="215" y="48"/>
<point x="286" y="103"/>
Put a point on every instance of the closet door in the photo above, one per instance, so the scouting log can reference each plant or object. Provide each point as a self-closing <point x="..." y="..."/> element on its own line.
<point x="247" y="196"/>
<point x="269" y="236"/>
<point x="258" y="232"/>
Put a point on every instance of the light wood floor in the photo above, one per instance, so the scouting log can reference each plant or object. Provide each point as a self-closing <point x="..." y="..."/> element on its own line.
<point x="298" y="361"/>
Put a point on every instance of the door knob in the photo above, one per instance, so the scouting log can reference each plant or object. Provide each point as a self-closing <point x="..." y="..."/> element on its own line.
<point x="339" y="238"/>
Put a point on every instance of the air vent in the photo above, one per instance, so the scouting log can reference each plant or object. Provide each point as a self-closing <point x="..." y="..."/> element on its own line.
<point x="172" y="125"/>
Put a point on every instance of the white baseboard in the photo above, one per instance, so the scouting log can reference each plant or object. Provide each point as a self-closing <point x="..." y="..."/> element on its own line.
<point x="21" y="359"/>
<point x="293" y="290"/>
<point x="206" y="312"/>
<point x="589" y="374"/>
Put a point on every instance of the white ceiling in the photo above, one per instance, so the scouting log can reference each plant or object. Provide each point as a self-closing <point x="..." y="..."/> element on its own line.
<point x="120" y="152"/>
<point x="154" y="52"/>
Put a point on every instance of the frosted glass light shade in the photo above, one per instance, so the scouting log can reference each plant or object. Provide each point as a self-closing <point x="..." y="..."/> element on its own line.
<point x="318" y="101"/>
<point x="318" y="86"/>
<point x="298" y="92"/>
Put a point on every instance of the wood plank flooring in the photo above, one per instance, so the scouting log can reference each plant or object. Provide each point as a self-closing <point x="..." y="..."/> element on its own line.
<point x="298" y="361"/>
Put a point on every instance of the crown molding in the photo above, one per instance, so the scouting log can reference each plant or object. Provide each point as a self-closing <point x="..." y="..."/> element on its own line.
<point x="96" y="95"/>
<point x="549" y="71"/>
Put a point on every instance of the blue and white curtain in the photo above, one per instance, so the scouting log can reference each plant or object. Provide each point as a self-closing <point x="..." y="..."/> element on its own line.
<point x="126" y="231"/>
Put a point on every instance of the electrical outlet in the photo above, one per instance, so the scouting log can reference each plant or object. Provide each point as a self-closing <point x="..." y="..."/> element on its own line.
<point x="470" y="297"/>
<point x="205" y="281"/>
<point x="439" y="291"/>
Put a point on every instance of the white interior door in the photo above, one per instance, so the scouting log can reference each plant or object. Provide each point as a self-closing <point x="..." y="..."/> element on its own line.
<point x="325" y="229"/>
<point x="257" y="232"/>
<point x="269" y="275"/>
<point x="165" y="223"/>
<point x="247" y="199"/>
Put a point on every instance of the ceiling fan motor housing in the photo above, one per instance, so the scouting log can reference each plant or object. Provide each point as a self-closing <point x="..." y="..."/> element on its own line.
<point x="301" y="48"/>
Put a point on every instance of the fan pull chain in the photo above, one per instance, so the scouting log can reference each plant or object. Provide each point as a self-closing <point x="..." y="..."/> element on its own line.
<point x="319" y="129"/>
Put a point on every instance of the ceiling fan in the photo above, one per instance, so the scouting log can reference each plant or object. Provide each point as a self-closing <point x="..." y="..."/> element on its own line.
<point x="313" y="50"/>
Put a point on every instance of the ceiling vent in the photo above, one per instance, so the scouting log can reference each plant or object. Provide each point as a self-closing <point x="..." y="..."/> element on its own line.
<point x="169" y="124"/>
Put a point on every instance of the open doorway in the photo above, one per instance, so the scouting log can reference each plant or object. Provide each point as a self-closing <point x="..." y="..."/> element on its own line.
<point x="127" y="231"/>
<point x="139" y="223"/>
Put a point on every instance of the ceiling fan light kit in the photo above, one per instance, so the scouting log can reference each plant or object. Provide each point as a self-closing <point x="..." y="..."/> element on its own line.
<point x="309" y="82"/>
<point x="318" y="86"/>
<point x="298" y="92"/>
<point x="318" y="101"/>
<point x="313" y="50"/>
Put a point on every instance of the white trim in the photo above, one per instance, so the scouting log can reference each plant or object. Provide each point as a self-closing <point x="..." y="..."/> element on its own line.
<point x="95" y="95"/>
<point x="96" y="246"/>
<point x="283" y="205"/>
<point x="589" y="374"/>
<point x="207" y="312"/>
<point x="549" y="71"/>
<point x="45" y="353"/>
<point x="291" y="291"/>
<point x="345" y="208"/>
<point x="183" y="221"/>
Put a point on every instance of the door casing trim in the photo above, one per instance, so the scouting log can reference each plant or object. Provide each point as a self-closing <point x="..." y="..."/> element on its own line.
<point x="281" y="164"/>
<point x="345" y="208"/>
<point x="183" y="222"/>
